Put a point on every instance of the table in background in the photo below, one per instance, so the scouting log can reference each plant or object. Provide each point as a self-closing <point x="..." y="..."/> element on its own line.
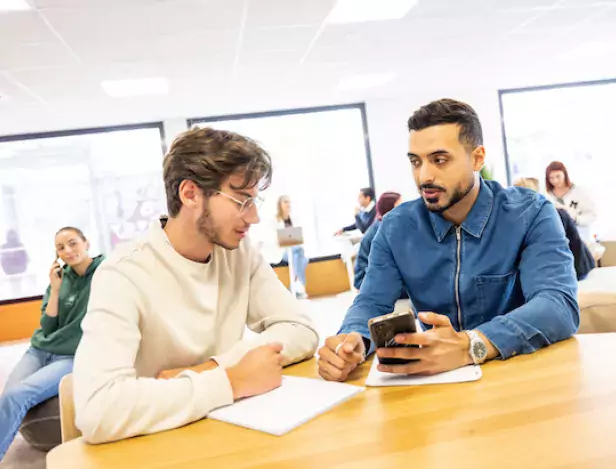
<point x="553" y="409"/>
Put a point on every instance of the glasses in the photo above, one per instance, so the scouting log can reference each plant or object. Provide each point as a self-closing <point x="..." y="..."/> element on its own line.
<point x="245" y="205"/>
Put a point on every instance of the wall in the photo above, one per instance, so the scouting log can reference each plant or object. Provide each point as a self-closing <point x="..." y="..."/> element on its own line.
<point x="387" y="120"/>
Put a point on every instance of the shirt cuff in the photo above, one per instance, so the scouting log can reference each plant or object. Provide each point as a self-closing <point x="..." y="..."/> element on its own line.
<point x="503" y="336"/>
<point x="234" y="354"/>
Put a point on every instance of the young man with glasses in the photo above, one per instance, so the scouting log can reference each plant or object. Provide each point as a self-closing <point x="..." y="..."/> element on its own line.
<point x="162" y="340"/>
<point x="487" y="268"/>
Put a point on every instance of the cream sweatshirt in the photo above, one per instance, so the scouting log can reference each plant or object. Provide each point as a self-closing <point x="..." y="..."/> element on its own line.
<point x="152" y="309"/>
<point x="580" y="206"/>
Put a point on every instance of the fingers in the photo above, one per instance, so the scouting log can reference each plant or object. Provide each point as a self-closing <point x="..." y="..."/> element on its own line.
<point x="345" y="345"/>
<point x="351" y="342"/>
<point x="406" y="353"/>
<point x="326" y="376"/>
<point x="413" y="368"/>
<point x="436" y="320"/>
<point x="333" y="341"/>
<point x="336" y="374"/>
<point x="328" y="355"/>
<point x="425" y="339"/>
<point x="275" y="347"/>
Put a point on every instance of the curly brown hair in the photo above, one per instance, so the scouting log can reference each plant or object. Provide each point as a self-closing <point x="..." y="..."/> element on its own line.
<point x="208" y="157"/>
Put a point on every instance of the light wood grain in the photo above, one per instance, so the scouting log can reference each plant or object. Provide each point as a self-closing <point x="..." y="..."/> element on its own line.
<point x="553" y="409"/>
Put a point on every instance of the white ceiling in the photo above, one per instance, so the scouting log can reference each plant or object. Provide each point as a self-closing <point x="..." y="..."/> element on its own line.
<point x="224" y="56"/>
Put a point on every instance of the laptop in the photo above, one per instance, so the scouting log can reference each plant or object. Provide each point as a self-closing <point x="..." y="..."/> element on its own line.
<point x="290" y="236"/>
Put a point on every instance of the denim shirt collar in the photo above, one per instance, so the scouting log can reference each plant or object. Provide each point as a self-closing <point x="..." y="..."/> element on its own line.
<point x="476" y="220"/>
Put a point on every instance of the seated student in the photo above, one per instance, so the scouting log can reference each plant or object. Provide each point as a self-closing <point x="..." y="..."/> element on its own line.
<point x="300" y="262"/>
<point x="386" y="202"/>
<point x="570" y="197"/>
<point x="50" y="356"/>
<point x="364" y="213"/>
<point x="487" y="268"/>
<point x="162" y="342"/>
<point x="583" y="262"/>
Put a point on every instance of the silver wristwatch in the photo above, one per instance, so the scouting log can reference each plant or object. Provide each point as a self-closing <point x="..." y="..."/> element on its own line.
<point x="477" y="348"/>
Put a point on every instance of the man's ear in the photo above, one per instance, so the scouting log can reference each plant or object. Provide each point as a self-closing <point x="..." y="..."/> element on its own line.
<point x="478" y="155"/>
<point x="189" y="193"/>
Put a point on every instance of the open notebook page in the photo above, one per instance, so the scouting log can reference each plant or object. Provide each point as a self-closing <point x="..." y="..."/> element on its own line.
<point x="297" y="401"/>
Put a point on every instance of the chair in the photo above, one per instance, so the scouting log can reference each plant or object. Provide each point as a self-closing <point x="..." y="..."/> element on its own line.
<point x="67" y="410"/>
<point x="327" y="276"/>
<point x="41" y="425"/>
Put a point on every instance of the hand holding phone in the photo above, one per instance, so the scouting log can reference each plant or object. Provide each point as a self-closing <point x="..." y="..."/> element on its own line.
<point x="383" y="330"/>
<point x="55" y="274"/>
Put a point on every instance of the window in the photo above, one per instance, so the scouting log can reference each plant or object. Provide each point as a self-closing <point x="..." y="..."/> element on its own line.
<point x="567" y="123"/>
<point x="107" y="182"/>
<point x="321" y="160"/>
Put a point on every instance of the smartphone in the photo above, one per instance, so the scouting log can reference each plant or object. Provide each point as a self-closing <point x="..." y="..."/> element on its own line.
<point x="383" y="330"/>
<point x="61" y="263"/>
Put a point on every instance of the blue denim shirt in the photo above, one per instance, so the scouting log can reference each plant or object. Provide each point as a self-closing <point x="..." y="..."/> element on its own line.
<point x="506" y="271"/>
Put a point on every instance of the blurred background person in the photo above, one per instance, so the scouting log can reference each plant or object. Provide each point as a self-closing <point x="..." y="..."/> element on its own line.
<point x="570" y="197"/>
<point x="386" y="203"/>
<point x="276" y="255"/>
<point x="14" y="261"/>
<point x="583" y="260"/>
<point x="37" y="375"/>
<point x="365" y="212"/>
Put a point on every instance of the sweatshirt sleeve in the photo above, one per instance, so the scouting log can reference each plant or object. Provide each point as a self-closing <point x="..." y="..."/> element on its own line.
<point x="111" y="402"/>
<point x="49" y="324"/>
<point x="587" y="212"/>
<point x="276" y="315"/>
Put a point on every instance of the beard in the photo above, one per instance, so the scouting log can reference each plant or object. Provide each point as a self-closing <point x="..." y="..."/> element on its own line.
<point x="458" y="194"/>
<point x="207" y="227"/>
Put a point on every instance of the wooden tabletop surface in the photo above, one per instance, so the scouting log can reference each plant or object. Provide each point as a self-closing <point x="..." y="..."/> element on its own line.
<point x="553" y="409"/>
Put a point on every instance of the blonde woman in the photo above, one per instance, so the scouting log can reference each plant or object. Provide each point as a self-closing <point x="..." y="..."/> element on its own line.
<point x="300" y="262"/>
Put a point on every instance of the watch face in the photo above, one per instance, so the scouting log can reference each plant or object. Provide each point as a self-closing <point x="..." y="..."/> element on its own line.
<point x="479" y="349"/>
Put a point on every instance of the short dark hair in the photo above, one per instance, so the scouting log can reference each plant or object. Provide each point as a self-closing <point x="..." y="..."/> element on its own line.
<point x="208" y="157"/>
<point x="449" y="111"/>
<point x="368" y="192"/>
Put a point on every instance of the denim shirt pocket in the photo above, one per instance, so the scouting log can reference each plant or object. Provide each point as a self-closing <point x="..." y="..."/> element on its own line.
<point x="493" y="293"/>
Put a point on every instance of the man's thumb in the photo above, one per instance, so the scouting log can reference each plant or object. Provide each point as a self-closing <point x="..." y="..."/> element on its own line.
<point x="350" y="342"/>
<point x="276" y="347"/>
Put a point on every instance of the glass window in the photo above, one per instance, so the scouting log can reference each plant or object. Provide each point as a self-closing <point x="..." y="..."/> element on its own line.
<point x="320" y="161"/>
<point x="106" y="182"/>
<point x="571" y="124"/>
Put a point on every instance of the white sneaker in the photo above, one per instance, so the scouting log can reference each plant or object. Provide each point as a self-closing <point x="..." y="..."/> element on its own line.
<point x="300" y="290"/>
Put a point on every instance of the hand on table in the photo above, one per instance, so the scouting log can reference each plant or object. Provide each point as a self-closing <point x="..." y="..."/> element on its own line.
<point x="258" y="372"/>
<point x="350" y="350"/>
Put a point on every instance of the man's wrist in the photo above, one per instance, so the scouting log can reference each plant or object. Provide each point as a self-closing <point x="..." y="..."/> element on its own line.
<point x="465" y="344"/>
<point x="492" y="350"/>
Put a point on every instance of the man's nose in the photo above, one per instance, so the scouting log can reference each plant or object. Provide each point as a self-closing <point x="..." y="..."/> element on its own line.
<point x="426" y="175"/>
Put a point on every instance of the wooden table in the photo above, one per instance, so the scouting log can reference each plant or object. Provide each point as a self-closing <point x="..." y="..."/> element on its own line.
<point x="553" y="409"/>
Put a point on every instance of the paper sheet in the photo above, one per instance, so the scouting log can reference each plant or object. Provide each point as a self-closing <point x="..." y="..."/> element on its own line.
<point x="461" y="375"/>
<point x="297" y="401"/>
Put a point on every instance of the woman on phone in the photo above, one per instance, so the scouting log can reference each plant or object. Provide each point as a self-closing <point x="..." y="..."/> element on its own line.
<point x="50" y="356"/>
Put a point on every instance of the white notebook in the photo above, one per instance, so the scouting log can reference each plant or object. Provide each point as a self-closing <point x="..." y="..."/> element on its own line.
<point x="461" y="375"/>
<point x="297" y="401"/>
